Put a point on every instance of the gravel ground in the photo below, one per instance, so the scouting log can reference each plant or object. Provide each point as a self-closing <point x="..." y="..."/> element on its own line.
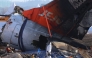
<point x="87" y="40"/>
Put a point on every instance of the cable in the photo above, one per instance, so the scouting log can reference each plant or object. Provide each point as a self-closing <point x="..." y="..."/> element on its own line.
<point x="47" y="22"/>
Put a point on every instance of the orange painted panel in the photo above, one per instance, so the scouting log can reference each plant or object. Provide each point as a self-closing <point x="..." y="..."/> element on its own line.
<point x="53" y="15"/>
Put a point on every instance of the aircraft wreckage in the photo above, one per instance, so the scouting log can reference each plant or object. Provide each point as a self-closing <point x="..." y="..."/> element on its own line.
<point x="59" y="20"/>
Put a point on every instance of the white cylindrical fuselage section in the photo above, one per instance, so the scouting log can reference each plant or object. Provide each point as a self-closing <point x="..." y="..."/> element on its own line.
<point x="32" y="31"/>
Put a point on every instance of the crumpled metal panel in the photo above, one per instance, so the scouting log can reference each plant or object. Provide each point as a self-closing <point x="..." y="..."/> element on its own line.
<point x="87" y="20"/>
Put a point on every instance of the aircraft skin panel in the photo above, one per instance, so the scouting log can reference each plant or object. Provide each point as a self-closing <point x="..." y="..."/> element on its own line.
<point x="28" y="38"/>
<point x="52" y="15"/>
<point x="14" y="39"/>
<point x="4" y="35"/>
<point x="7" y="33"/>
<point x="32" y="31"/>
<point x="87" y="20"/>
<point x="62" y="16"/>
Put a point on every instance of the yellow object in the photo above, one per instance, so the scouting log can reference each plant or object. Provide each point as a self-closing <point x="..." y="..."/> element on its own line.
<point x="32" y="56"/>
<point x="4" y="18"/>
